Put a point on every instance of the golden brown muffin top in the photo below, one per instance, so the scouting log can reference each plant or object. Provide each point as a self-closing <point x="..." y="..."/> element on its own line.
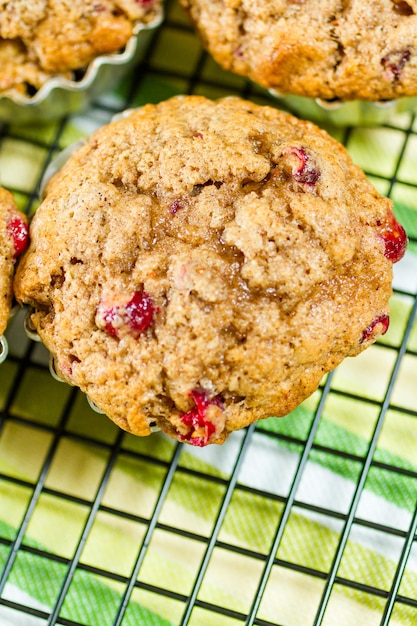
<point x="40" y="39"/>
<point x="199" y="265"/>
<point x="329" y="49"/>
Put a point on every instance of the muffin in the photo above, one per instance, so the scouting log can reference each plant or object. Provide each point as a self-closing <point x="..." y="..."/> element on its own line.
<point x="198" y="265"/>
<point x="47" y="46"/>
<point x="328" y="50"/>
<point x="13" y="240"/>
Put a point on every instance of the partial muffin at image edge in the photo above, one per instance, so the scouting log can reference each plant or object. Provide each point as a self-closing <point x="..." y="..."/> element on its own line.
<point x="199" y="265"/>
<point x="55" y="57"/>
<point x="14" y="239"/>
<point x="346" y="63"/>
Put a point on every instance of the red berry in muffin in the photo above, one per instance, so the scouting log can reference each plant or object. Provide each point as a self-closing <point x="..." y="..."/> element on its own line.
<point x="395" y="239"/>
<point x="197" y="419"/>
<point x="264" y="245"/>
<point x="175" y="206"/>
<point x="19" y="231"/>
<point x="14" y="239"/>
<point x="394" y="62"/>
<point x="302" y="170"/>
<point x="132" y="317"/>
<point x="379" y="326"/>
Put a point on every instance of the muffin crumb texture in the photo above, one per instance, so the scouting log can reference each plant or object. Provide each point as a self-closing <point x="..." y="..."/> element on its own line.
<point x="14" y="235"/>
<point x="41" y="39"/>
<point x="327" y="49"/>
<point x="199" y="265"/>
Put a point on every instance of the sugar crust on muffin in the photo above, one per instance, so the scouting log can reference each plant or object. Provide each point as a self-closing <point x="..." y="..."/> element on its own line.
<point x="327" y="49"/>
<point x="41" y="39"/>
<point x="199" y="265"/>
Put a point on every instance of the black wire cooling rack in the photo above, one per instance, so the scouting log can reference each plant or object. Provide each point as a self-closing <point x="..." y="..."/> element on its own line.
<point x="303" y="521"/>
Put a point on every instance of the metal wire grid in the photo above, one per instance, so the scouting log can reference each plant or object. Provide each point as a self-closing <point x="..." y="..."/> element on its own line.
<point x="158" y="68"/>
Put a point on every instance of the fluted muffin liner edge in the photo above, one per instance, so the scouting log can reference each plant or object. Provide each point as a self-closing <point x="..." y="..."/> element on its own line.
<point x="33" y="335"/>
<point x="4" y="346"/>
<point x="346" y="113"/>
<point x="54" y="166"/>
<point x="61" y="96"/>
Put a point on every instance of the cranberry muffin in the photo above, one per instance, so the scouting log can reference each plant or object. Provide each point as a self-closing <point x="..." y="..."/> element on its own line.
<point x="325" y="49"/>
<point x="41" y="39"/>
<point x="199" y="265"/>
<point x="13" y="240"/>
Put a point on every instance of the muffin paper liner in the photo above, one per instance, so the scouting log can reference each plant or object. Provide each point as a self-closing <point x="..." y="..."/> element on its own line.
<point x="4" y="348"/>
<point x="57" y="377"/>
<point x="352" y="113"/>
<point x="32" y="334"/>
<point x="29" y="328"/>
<point x="60" y="96"/>
<point x="57" y="163"/>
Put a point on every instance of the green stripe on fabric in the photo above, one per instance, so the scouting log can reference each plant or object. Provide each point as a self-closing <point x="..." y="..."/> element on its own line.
<point x="251" y="521"/>
<point x="310" y="544"/>
<point x="88" y="601"/>
<point x="296" y="424"/>
<point x="396" y="488"/>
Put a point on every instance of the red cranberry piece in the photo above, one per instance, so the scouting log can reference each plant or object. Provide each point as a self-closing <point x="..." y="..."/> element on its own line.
<point x="134" y="317"/>
<point x="19" y="231"/>
<point x="394" y="62"/>
<point x="200" y="428"/>
<point x="175" y="206"/>
<point x="382" y="321"/>
<point x="140" y="311"/>
<point x="303" y="171"/>
<point x="395" y="239"/>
